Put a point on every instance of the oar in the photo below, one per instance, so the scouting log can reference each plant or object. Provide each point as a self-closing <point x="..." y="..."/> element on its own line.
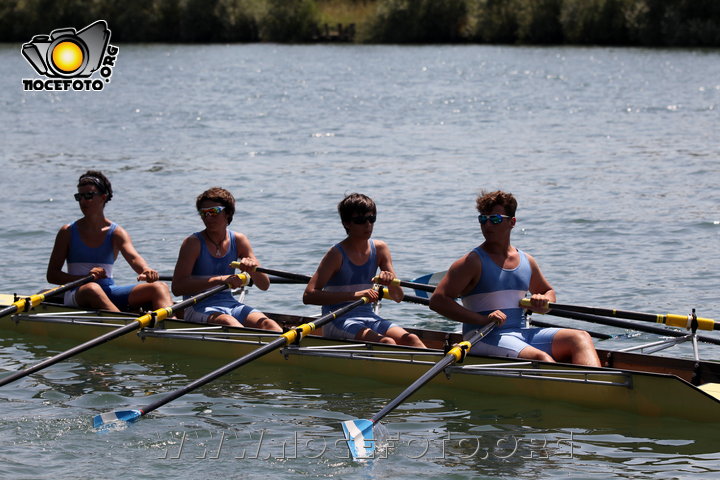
<point x="683" y="321"/>
<point x="296" y="277"/>
<point x="627" y="324"/>
<point x="278" y="273"/>
<point x="294" y="335"/>
<point x="35" y="300"/>
<point x="429" y="280"/>
<point x="414" y="285"/>
<point x="139" y="322"/>
<point x="359" y="432"/>
<point x="273" y="279"/>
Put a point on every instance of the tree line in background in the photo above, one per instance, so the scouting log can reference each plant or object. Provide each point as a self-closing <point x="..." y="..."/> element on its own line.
<point x="580" y="22"/>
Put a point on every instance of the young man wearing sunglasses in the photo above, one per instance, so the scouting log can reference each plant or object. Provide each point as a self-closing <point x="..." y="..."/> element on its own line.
<point x="204" y="262"/>
<point x="345" y="274"/>
<point x="91" y="245"/>
<point x="491" y="280"/>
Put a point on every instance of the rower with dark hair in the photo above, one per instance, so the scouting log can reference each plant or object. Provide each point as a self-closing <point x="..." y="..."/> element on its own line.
<point x="345" y="274"/>
<point x="90" y="245"/>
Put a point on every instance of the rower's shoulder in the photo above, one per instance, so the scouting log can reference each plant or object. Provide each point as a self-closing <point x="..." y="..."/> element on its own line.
<point x="65" y="229"/>
<point x="191" y="241"/>
<point x="467" y="266"/>
<point x="381" y="245"/>
<point x="470" y="259"/>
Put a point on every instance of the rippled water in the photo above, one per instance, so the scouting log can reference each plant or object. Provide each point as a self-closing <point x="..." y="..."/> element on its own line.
<point x="612" y="153"/>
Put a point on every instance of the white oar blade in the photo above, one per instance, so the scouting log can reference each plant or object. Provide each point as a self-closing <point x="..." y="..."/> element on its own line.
<point x="360" y="438"/>
<point x="429" y="279"/>
<point x="110" y="419"/>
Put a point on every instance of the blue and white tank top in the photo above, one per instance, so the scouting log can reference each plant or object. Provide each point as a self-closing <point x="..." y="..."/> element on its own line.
<point x="206" y="266"/>
<point x="499" y="289"/>
<point x="82" y="258"/>
<point x="352" y="278"/>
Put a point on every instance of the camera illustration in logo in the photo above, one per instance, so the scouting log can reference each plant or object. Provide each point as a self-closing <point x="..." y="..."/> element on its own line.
<point x="67" y="52"/>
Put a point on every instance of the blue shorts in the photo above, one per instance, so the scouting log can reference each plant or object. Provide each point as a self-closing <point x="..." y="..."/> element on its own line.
<point x="509" y="342"/>
<point x="347" y="326"/>
<point x="240" y="311"/>
<point x="118" y="294"/>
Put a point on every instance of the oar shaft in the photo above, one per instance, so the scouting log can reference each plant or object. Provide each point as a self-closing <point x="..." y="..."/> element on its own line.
<point x="683" y="321"/>
<point x="415" y="286"/>
<point x="278" y="273"/>
<point x="295" y="334"/>
<point x="612" y="322"/>
<point x="414" y="299"/>
<point x="69" y="353"/>
<point x="140" y="322"/>
<point x="37" y="299"/>
<point x="415" y="386"/>
<point x="456" y="354"/>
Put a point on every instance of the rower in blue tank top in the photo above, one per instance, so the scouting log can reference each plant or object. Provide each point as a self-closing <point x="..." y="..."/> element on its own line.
<point x="90" y="245"/>
<point x="345" y="274"/>
<point x="491" y="280"/>
<point x="502" y="289"/>
<point x="82" y="258"/>
<point x="204" y="262"/>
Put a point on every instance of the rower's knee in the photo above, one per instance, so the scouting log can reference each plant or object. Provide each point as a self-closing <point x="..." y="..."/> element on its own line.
<point x="266" y="323"/>
<point x="388" y="341"/>
<point x="413" y="340"/>
<point x="531" y="353"/>
<point x="224" y="319"/>
<point x="582" y="340"/>
<point x="91" y="295"/>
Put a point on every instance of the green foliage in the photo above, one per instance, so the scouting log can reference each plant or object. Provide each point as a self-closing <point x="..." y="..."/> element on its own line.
<point x="289" y="21"/>
<point x="496" y="21"/>
<point x="419" y="21"/>
<point x="594" y="21"/>
<point x="538" y="22"/>
<point x="675" y="22"/>
<point x="601" y="22"/>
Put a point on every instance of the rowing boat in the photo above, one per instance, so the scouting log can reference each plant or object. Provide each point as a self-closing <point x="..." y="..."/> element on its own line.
<point x="648" y="385"/>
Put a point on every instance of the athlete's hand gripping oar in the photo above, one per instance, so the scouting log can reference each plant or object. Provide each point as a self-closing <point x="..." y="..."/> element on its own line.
<point x="359" y="433"/>
<point x="293" y="335"/>
<point x="683" y="321"/>
<point x="140" y="322"/>
<point x="27" y="303"/>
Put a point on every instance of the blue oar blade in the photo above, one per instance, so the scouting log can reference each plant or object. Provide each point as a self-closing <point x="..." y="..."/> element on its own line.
<point x="106" y="420"/>
<point x="360" y="438"/>
<point x="429" y="279"/>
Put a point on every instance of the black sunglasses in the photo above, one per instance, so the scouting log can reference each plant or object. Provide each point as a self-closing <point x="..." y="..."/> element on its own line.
<point x="362" y="220"/>
<point x="86" y="195"/>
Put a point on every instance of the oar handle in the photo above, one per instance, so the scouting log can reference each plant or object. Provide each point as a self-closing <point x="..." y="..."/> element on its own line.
<point x="682" y="321"/>
<point x="404" y="283"/>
